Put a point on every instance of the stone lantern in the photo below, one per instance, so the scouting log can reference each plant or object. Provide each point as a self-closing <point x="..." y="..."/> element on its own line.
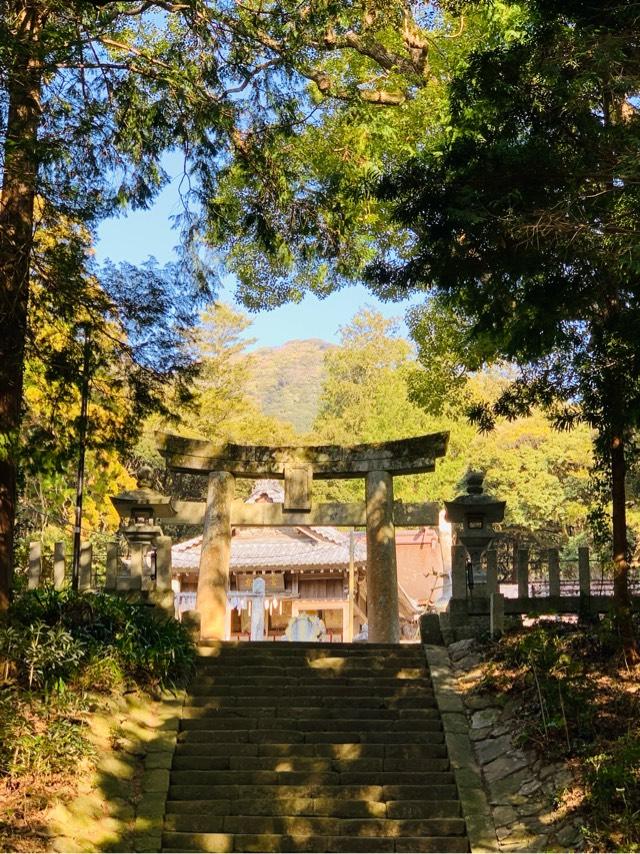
<point x="476" y="512"/>
<point x="149" y="550"/>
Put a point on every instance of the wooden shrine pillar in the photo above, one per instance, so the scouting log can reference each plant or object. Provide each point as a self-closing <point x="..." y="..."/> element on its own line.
<point x="213" y="578"/>
<point x="382" y="573"/>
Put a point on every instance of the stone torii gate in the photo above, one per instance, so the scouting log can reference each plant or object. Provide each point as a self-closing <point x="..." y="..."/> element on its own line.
<point x="298" y="466"/>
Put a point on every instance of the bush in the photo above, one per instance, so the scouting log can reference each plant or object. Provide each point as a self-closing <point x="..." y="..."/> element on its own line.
<point x="559" y="698"/>
<point x="48" y="636"/>
<point x="40" y="736"/>
<point x="42" y="656"/>
<point x="613" y="794"/>
<point x="102" y="675"/>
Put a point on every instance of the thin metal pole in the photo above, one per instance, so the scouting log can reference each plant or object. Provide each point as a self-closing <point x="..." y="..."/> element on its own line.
<point x="352" y="586"/>
<point x="77" y="530"/>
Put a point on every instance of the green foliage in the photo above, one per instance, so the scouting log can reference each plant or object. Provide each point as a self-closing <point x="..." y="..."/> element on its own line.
<point x="541" y="472"/>
<point x="522" y="221"/>
<point x="612" y="787"/>
<point x="223" y="409"/>
<point x="49" y="636"/>
<point x="559" y="708"/>
<point x="365" y="396"/>
<point x="368" y="395"/>
<point x="39" y="737"/>
<point x="59" y="650"/>
<point x="43" y="656"/>
<point x="445" y="353"/>
<point x="296" y="208"/>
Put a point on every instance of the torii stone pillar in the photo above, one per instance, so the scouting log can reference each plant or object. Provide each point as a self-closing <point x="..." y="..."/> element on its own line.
<point x="382" y="573"/>
<point x="213" y="577"/>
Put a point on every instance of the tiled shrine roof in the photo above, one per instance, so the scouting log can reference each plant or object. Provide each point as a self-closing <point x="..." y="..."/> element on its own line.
<point x="277" y="553"/>
<point x="255" y="548"/>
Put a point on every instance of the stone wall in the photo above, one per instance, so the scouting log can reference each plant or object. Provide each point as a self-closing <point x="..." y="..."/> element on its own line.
<point x="524" y="792"/>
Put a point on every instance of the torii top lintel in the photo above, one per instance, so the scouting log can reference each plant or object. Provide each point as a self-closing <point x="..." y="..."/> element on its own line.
<point x="401" y="456"/>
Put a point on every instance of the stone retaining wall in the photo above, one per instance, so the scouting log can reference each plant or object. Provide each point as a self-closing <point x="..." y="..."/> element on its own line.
<point x="519" y="808"/>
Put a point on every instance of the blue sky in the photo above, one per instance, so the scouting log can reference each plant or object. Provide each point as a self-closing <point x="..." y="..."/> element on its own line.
<point x="141" y="234"/>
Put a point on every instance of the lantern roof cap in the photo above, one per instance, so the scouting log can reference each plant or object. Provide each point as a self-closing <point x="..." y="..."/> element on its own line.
<point x="143" y="496"/>
<point x="475" y="500"/>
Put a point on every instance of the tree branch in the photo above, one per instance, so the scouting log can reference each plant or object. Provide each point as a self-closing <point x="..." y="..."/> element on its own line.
<point x="371" y="96"/>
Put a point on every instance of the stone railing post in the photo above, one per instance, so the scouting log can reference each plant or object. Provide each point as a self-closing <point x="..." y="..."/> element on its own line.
<point x="492" y="572"/>
<point x="111" y="578"/>
<point x="382" y="572"/>
<point x="554" y="572"/>
<point x="584" y="578"/>
<point x="35" y="565"/>
<point x="58" y="565"/>
<point x="496" y="614"/>
<point x="584" y="571"/>
<point x="522" y="571"/>
<point x="458" y="572"/>
<point x="84" y="574"/>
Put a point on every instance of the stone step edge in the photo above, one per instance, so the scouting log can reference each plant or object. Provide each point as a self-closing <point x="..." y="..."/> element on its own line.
<point x="374" y="793"/>
<point x="225" y="843"/>
<point x="327" y="825"/>
<point x="472" y="795"/>
<point x="318" y="807"/>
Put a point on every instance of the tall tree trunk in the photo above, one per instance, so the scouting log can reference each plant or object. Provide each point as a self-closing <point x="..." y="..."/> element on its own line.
<point x="621" y="598"/>
<point x="16" y="238"/>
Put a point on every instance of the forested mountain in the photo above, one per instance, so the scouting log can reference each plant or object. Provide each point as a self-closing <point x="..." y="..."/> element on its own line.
<point x="286" y="381"/>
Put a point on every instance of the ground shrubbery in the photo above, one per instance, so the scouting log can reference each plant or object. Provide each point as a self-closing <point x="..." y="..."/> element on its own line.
<point x="50" y="637"/>
<point x="59" y="651"/>
<point x="580" y="698"/>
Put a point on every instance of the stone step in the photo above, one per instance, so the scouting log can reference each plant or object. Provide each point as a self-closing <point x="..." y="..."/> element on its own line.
<point x="312" y="747"/>
<point x="282" y="806"/>
<point x="314" y="668"/>
<point x="291" y="683"/>
<point x="314" y="694"/>
<point x="212" y="706"/>
<point x="308" y="652"/>
<point x="229" y="701"/>
<point x="306" y="646"/>
<point x="275" y="793"/>
<point x="306" y="826"/>
<point x="340" y="667"/>
<point x="203" y="719"/>
<point x="267" y="736"/>
<point x="225" y="842"/>
<point x="337" y="807"/>
<point x="306" y="763"/>
<point x="211" y="676"/>
<point x="199" y="780"/>
<point x="310" y="671"/>
<point x="319" y="660"/>
<point x="343" y="751"/>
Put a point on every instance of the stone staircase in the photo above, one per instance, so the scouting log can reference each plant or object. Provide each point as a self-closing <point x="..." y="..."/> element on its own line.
<point x="312" y="747"/>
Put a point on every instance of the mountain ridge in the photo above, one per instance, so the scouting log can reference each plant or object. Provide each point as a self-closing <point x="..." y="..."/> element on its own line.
<point x="287" y="380"/>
